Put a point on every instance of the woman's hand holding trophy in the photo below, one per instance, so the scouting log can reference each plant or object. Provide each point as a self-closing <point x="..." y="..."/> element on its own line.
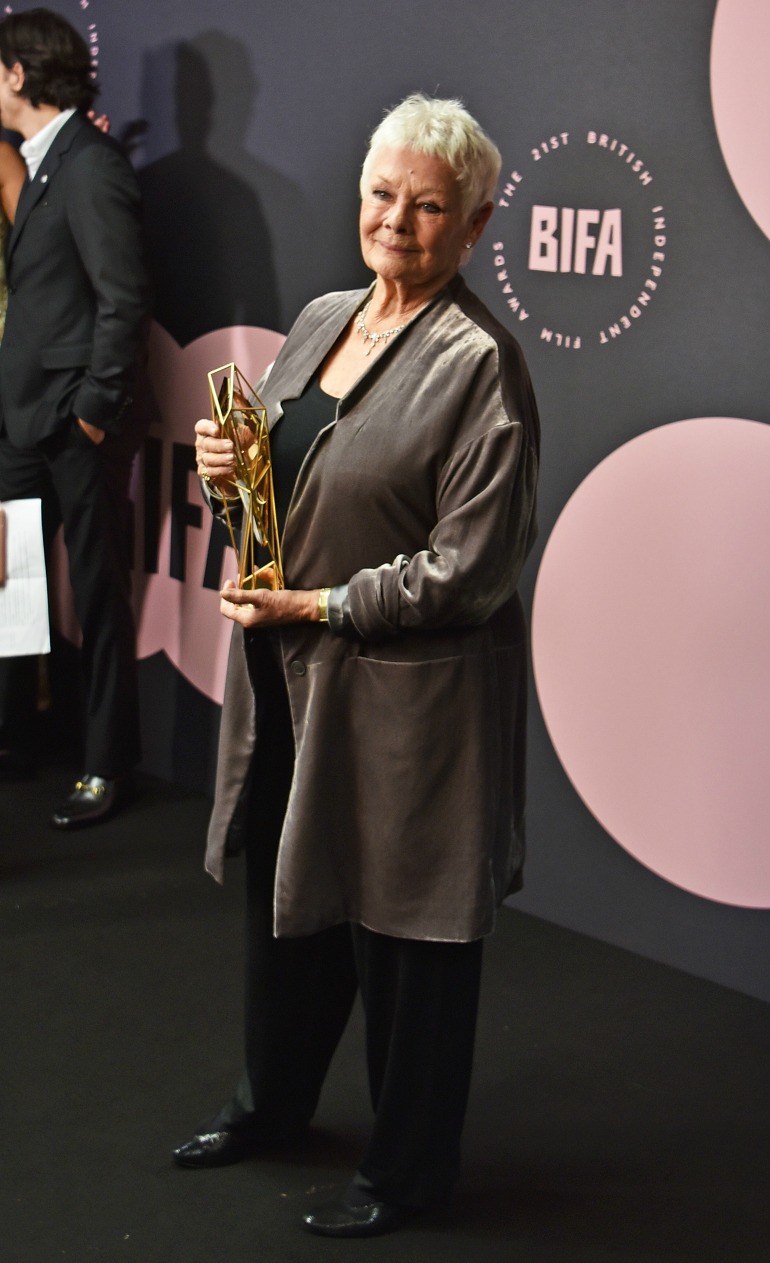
<point x="233" y="456"/>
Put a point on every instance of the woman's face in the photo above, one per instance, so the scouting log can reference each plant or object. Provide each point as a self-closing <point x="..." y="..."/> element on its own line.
<point x="413" y="227"/>
<point x="11" y="82"/>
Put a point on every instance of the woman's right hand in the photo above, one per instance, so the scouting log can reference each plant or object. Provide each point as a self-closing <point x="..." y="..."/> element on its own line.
<point x="214" y="455"/>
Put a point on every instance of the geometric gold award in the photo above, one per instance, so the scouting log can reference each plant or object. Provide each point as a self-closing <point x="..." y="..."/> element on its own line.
<point x="242" y="418"/>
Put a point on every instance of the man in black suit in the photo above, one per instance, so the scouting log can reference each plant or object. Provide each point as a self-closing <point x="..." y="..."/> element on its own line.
<point x="74" y="335"/>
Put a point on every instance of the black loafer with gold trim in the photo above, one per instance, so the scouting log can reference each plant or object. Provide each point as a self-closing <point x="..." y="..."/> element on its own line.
<point x="92" y="799"/>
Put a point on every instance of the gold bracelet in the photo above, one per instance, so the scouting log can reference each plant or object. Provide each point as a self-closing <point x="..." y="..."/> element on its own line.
<point x="323" y="605"/>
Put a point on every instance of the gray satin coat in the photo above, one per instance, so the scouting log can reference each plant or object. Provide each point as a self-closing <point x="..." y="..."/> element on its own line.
<point x="407" y="804"/>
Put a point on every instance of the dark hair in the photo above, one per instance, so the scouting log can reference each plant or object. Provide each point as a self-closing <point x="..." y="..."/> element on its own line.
<point x="55" y="59"/>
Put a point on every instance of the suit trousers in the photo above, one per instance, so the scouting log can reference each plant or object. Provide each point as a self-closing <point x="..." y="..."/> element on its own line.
<point x="420" y="1000"/>
<point x="84" y="486"/>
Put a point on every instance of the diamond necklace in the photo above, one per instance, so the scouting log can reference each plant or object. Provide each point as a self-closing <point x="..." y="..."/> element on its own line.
<point x="374" y="338"/>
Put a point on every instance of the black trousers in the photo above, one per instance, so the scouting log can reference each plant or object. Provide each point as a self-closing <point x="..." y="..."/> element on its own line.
<point x="420" y="1001"/>
<point x="85" y="486"/>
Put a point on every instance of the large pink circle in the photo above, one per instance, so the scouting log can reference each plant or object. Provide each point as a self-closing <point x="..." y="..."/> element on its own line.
<point x="181" y="619"/>
<point x="740" y="97"/>
<point x="651" y="647"/>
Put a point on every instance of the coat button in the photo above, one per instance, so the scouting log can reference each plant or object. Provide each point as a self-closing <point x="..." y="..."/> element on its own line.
<point x="298" y="667"/>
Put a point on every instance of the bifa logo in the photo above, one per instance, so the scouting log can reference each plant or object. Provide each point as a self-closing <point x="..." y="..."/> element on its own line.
<point x="567" y="239"/>
<point x="580" y="240"/>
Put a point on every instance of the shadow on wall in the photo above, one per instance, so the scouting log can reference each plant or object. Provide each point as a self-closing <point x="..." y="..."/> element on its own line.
<point x="210" y="241"/>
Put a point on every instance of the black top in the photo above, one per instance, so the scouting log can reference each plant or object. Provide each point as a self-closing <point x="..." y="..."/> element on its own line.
<point x="292" y="437"/>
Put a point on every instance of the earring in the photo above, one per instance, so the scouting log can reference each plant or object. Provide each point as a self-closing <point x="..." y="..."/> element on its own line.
<point x="469" y="245"/>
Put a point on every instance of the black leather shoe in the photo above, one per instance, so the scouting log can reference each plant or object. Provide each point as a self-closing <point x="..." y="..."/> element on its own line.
<point x="92" y="799"/>
<point x="341" y="1218"/>
<point x="214" y="1149"/>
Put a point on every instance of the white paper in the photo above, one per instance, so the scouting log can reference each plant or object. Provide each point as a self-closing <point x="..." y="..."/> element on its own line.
<point x="24" y="595"/>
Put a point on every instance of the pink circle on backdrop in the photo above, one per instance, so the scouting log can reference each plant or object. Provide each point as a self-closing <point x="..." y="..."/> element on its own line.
<point x="181" y="619"/>
<point x="740" y="97"/>
<point x="651" y="649"/>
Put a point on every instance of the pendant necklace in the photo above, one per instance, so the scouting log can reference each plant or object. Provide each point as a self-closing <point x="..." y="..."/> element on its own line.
<point x="374" y="338"/>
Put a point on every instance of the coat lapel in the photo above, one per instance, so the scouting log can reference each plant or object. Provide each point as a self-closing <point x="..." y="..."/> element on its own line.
<point x="33" y="190"/>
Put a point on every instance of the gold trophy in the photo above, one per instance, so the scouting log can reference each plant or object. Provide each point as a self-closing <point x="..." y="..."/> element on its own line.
<point x="242" y="418"/>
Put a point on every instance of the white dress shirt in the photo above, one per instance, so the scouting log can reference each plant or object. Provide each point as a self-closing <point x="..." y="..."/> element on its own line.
<point x="34" y="150"/>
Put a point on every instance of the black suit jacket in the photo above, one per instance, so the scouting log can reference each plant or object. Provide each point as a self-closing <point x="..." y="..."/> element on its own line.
<point x="78" y="294"/>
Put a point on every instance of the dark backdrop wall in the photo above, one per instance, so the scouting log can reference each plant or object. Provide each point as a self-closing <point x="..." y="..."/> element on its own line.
<point x="628" y="255"/>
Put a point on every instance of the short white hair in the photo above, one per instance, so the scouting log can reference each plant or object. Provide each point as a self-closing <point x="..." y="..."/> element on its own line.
<point x="443" y="129"/>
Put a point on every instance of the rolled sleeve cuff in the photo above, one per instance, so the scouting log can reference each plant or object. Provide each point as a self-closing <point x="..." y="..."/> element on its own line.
<point x="338" y="611"/>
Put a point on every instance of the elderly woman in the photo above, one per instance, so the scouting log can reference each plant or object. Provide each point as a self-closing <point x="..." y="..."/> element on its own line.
<point x="373" y="772"/>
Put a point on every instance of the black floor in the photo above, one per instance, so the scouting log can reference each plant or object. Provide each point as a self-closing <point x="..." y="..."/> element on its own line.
<point x="620" y="1109"/>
